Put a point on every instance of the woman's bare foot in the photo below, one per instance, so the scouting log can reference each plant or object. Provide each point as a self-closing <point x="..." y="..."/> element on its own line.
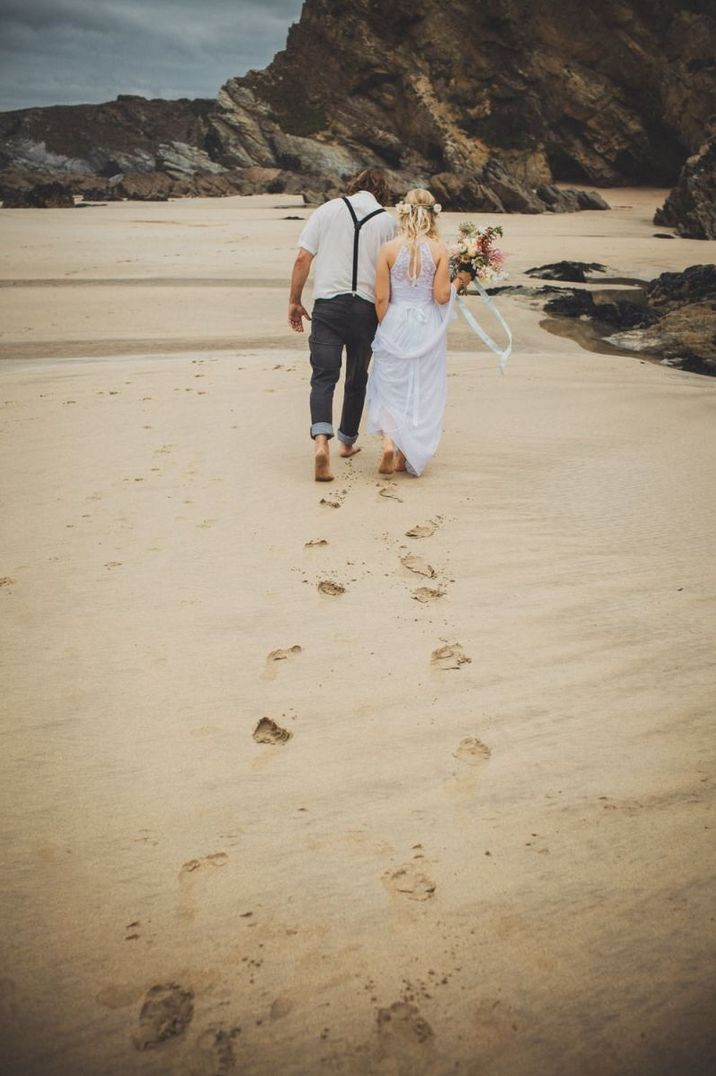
<point x="387" y="463"/>
<point x="399" y="461"/>
<point x="322" y="460"/>
<point x="346" y="451"/>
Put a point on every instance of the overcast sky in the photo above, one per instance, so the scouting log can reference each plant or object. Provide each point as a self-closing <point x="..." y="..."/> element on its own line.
<point x="75" y="51"/>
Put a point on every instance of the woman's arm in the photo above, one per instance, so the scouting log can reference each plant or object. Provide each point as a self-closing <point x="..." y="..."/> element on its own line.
<point x="382" y="282"/>
<point x="441" y="282"/>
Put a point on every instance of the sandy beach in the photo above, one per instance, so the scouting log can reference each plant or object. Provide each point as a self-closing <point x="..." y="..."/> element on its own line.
<point x="486" y="845"/>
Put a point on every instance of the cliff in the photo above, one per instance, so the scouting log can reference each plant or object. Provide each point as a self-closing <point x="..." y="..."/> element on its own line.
<point x="489" y="102"/>
<point x="614" y="93"/>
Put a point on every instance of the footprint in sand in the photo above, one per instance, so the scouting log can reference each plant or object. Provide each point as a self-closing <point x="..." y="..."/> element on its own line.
<point x="276" y="656"/>
<point x="474" y="755"/>
<point x="166" y="1013"/>
<point x="6" y="581"/>
<point x="280" y="1007"/>
<point x="389" y="493"/>
<point x="327" y="586"/>
<point x="314" y="542"/>
<point x="450" y="656"/>
<point x="215" y="859"/>
<point x="472" y="751"/>
<point x="409" y="881"/>
<point x="213" y="1052"/>
<point x="282" y="655"/>
<point x="267" y="731"/>
<point x="418" y="565"/>
<point x="422" y="530"/>
<point x="191" y="872"/>
<point x="428" y="594"/>
<point x="335" y="499"/>
<point x="495" y="1023"/>
<point x="402" y="1042"/>
<point x="402" y="1025"/>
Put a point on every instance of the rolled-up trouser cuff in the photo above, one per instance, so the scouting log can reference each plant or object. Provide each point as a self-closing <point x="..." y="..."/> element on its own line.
<point x="324" y="429"/>
<point x="345" y="439"/>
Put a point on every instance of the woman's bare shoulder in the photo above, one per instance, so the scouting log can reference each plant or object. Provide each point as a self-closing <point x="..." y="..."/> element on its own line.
<point x="438" y="248"/>
<point x="391" y="249"/>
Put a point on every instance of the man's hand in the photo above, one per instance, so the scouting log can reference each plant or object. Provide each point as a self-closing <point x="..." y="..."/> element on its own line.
<point x="296" y="313"/>
<point x="296" y="310"/>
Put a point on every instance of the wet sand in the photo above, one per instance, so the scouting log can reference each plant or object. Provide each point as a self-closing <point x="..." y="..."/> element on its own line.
<point x="287" y="789"/>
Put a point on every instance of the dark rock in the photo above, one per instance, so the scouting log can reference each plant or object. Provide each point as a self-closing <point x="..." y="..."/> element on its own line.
<point x="464" y="193"/>
<point x="558" y="201"/>
<point x="694" y="285"/>
<point x="618" y="314"/>
<point x="574" y="272"/>
<point x="663" y="235"/>
<point x="575" y="305"/>
<point x="591" y="200"/>
<point x="623" y="314"/>
<point x="569" y="200"/>
<point x="151" y="187"/>
<point x="41" y="196"/>
<point x="676" y="321"/>
<point x="691" y="206"/>
<point x="512" y="195"/>
<point x="684" y="337"/>
<point x="102" y="192"/>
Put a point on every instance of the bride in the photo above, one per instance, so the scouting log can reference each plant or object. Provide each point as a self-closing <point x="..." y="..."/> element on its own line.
<point x="407" y="386"/>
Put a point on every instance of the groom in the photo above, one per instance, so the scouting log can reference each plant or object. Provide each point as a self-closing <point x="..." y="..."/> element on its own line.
<point x="343" y="236"/>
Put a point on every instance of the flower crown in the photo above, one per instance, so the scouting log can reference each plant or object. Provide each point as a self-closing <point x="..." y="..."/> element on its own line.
<point x="403" y="207"/>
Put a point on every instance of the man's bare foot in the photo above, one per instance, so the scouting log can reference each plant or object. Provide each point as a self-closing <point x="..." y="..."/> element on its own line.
<point x="322" y="460"/>
<point x="387" y="463"/>
<point x="346" y="451"/>
<point x="399" y="461"/>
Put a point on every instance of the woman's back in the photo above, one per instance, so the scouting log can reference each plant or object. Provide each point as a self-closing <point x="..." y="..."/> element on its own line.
<point x="412" y="274"/>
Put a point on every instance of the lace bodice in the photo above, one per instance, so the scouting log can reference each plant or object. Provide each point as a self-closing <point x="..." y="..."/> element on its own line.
<point x="403" y="287"/>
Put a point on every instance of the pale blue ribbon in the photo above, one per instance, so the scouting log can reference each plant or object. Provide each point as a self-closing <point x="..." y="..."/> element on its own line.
<point x="503" y="354"/>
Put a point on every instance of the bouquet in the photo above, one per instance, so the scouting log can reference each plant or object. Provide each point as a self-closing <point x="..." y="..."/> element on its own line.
<point x="475" y="257"/>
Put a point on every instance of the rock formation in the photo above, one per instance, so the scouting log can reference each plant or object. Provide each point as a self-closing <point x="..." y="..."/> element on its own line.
<point x="691" y="206"/>
<point x="676" y="319"/>
<point x="489" y="102"/>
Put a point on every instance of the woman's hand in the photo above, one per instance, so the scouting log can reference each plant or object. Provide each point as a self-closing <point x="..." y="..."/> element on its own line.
<point x="462" y="280"/>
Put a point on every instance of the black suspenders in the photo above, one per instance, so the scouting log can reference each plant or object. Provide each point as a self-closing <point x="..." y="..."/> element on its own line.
<point x="357" y="225"/>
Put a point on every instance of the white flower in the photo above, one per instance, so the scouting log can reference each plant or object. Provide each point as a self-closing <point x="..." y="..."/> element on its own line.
<point x="437" y="208"/>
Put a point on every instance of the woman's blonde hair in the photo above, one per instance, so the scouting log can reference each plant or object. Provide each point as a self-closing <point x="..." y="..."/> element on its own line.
<point x="417" y="216"/>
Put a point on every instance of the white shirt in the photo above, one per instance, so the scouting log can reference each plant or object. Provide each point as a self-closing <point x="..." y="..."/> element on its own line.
<point x="328" y="235"/>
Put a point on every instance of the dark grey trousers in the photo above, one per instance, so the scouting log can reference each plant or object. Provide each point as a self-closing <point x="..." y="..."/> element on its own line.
<point x="349" y="322"/>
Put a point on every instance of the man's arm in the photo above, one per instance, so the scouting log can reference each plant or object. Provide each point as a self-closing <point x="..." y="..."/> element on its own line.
<point x="296" y="311"/>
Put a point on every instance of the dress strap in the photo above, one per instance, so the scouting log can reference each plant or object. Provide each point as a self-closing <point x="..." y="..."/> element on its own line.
<point x="357" y="225"/>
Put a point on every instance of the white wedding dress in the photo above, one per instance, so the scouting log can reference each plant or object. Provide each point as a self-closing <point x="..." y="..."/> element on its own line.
<point x="407" y="385"/>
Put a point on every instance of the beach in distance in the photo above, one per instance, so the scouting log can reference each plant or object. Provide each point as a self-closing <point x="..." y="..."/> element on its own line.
<point x="383" y="776"/>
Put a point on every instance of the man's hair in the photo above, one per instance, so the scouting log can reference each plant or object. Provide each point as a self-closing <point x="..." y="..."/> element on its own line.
<point x="373" y="180"/>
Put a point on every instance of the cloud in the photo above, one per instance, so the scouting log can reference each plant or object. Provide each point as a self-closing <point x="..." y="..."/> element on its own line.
<point x="80" y="51"/>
